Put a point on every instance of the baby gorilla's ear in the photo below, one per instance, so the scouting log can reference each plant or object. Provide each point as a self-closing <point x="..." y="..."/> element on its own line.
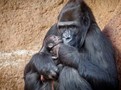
<point x="50" y="45"/>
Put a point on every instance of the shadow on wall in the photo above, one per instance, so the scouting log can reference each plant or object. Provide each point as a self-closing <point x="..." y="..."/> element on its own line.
<point x="113" y="32"/>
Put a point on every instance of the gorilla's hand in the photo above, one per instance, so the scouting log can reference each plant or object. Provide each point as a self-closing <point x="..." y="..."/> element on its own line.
<point x="50" y="71"/>
<point x="67" y="55"/>
<point x="43" y="64"/>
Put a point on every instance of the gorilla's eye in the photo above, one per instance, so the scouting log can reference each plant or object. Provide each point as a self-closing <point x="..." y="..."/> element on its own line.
<point x="72" y="26"/>
<point x="61" y="27"/>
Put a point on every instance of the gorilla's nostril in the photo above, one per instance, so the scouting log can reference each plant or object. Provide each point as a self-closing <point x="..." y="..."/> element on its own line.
<point x="68" y="38"/>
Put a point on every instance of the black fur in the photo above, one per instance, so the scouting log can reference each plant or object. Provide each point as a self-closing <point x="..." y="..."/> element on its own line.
<point x="40" y="64"/>
<point x="90" y="63"/>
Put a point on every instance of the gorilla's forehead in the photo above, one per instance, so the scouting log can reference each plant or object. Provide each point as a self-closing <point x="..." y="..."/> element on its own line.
<point x="67" y="23"/>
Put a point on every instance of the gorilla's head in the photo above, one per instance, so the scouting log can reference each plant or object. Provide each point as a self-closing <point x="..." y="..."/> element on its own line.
<point x="73" y="23"/>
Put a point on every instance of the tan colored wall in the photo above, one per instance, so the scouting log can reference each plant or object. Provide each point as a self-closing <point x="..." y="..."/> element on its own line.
<point x="113" y="32"/>
<point x="23" y="24"/>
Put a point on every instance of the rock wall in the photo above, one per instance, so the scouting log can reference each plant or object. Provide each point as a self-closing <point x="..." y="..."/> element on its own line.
<point x="23" y="24"/>
<point x="113" y="32"/>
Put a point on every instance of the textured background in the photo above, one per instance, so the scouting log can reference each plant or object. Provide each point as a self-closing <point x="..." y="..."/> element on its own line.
<point x="23" y="24"/>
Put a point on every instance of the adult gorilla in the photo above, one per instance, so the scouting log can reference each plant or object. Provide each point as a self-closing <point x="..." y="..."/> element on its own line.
<point x="94" y="59"/>
<point x="91" y="64"/>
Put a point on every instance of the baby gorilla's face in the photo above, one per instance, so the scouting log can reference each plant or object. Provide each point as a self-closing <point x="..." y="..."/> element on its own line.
<point x="53" y="41"/>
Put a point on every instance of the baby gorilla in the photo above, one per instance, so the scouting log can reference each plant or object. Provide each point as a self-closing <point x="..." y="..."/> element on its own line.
<point x="41" y="68"/>
<point x="49" y="43"/>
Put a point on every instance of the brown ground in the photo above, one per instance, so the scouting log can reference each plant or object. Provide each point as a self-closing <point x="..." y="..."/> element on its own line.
<point x="23" y="24"/>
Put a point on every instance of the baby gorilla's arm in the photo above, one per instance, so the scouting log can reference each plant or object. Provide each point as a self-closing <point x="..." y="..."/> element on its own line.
<point x="55" y="51"/>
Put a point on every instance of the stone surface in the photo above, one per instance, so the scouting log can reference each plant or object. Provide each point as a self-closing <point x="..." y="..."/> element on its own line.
<point x="113" y="32"/>
<point x="23" y="24"/>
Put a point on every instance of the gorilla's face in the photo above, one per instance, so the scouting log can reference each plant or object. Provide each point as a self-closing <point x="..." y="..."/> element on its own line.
<point x="73" y="24"/>
<point x="69" y="34"/>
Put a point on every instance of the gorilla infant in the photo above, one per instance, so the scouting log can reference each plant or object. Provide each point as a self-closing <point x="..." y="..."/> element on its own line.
<point x="41" y="67"/>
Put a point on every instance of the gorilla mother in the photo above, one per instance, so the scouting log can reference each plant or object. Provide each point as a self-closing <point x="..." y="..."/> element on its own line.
<point x="96" y="61"/>
<point x="92" y="66"/>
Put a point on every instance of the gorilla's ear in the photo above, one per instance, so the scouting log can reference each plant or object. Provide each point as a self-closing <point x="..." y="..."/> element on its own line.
<point x="86" y="20"/>
<point x="85" y="10"/>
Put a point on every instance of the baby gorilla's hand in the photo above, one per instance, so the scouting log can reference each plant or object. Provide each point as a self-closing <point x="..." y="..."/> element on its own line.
<point x="50" y="71"/>
<point x="55" y="51"/>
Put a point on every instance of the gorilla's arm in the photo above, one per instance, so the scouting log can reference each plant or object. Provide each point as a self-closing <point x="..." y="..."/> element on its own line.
<point x="41" y="64"/>
<point x="94" y="74"/>
<point x="96" y="63"/>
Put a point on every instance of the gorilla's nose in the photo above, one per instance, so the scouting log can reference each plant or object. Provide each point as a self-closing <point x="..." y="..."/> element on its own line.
<point x="67" y="37"/>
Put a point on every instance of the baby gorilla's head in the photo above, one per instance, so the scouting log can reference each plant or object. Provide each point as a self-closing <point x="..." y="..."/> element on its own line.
<point x="52" y="41"/>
